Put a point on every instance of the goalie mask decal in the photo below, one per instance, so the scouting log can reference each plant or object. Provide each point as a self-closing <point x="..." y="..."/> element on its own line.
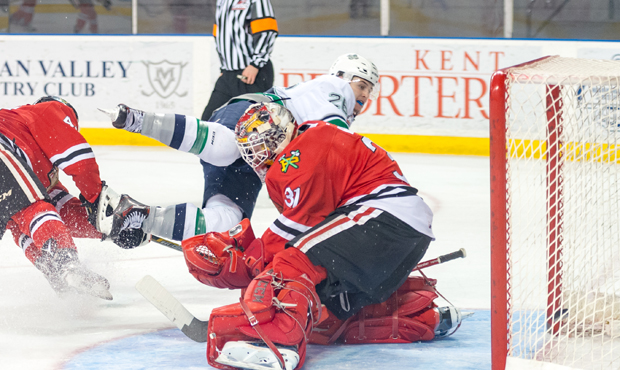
<point x="287" y="162"/>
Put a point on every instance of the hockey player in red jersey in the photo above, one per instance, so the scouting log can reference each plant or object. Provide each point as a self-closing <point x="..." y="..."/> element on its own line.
<point x="35" y="142"/>
<point x="350" y="231"/>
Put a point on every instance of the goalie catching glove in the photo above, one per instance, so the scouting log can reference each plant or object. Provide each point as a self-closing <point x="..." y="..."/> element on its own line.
<point x="118" y="217"/>
<point x="228" y="259"/>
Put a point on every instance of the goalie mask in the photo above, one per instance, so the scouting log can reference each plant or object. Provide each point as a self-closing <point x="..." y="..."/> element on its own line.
<point x="350" y="66"/>
<point x="60" y="100"/>
<point x="262" y="133"/>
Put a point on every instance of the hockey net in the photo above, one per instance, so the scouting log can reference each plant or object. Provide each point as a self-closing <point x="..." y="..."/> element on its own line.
<point x="555" y="167"/>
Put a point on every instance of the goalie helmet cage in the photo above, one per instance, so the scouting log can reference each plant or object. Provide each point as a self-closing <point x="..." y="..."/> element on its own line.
<point x="555" y="238"/>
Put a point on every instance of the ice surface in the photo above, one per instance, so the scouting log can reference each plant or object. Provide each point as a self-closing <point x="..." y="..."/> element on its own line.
<point x="40" y="331"/>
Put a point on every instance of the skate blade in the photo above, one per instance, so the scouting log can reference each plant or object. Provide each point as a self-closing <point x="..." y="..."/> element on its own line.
<point x="112" y="113"/>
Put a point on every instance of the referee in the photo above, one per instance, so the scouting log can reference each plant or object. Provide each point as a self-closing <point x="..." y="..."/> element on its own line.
<point x="244" y="31"/>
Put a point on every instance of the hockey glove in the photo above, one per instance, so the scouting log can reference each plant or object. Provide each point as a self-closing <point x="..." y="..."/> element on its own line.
<point x="228" y="259"/>
<point x="131" y="238"/>
<point x="107" y="4"/>
<point x="93" y="208"/>
<point x="118" y="217"/>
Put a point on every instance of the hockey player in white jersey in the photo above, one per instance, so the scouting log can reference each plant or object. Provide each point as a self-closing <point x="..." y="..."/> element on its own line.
<point x="231" y="186"/>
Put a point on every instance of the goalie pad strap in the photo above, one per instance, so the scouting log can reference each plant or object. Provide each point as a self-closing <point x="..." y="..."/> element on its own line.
<point x="261" y="334"/>
<point x="395" y="316"/>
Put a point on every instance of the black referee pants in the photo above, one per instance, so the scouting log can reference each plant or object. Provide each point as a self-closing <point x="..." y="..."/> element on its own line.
<point x="228" y="85"/>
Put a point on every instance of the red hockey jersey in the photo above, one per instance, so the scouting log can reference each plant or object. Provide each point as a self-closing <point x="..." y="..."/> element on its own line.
<point x="327" y="167"/>
<point x="47" y="135"/>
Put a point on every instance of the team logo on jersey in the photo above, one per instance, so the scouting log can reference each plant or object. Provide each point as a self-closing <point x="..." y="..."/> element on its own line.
<point x="165" y="78"/>
<point x="287" y="162"/>
<point x="3" y="196"/>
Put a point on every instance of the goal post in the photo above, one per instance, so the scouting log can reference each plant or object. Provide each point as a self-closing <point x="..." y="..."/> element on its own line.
<point x="555" y="214"/>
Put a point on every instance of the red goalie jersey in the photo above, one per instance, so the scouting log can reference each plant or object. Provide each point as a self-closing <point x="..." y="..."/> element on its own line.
<point x="327" y="167"/>
<point x="46" y="136"/>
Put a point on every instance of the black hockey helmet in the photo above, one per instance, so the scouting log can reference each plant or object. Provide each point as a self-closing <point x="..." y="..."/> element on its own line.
<point x="60" y="100"/>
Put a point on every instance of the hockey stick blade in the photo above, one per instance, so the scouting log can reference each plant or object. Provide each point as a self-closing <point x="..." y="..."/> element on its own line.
<point x="166" y="243"/>
<point x="165" y="302"/>
<point x="461" y="253"/>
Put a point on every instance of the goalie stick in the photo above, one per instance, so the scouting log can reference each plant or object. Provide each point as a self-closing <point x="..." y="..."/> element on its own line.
<point x="196" y="329"/>
<point x="461" y="253"/>
<point x="165" y="302"/>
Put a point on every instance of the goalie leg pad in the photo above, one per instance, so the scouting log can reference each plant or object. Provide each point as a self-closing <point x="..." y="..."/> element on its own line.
<point x="280" y="306"/>
<point x="224" y="324"/>
<point x="409" y="315"/>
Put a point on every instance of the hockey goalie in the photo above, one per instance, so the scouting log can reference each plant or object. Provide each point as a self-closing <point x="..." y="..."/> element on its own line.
<point x="334" y="266"/>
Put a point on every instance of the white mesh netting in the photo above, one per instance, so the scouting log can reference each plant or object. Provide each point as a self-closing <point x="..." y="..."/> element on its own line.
<point x="562" y="133"/>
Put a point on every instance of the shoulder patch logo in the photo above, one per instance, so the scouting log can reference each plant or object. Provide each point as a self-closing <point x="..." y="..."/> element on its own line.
<point x="240" y="5"/>
<point x="287" y="162"/>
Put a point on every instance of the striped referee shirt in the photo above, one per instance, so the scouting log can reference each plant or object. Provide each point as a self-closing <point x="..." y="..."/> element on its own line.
<point x="245" y="31"/>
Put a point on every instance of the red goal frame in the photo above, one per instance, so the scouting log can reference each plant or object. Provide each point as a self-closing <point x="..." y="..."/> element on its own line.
<point x="500" y="221"/>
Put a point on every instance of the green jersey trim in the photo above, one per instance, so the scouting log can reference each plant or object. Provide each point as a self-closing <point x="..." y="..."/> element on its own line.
<point x="201" y="226"/>
<point x="338" y="122"/>
<point x="202" y="134"/>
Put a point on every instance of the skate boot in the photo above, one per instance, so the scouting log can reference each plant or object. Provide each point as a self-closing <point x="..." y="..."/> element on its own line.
<point x="65" y="273"/>
<point x="256" y="356"/>
<point x="449" y="320"/>
<point x="126" y="118"/>
<point x="120" y="218"/>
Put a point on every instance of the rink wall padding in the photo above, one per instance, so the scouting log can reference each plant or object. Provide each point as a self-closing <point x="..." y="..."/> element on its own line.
<point x="391" y="143"/>
<point x="434" y="91"/>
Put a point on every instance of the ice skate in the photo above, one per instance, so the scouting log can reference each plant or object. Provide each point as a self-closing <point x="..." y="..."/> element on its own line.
<point x="65" y="273"/>
<point x="127" y="223"/>
<point x="449" y="320"/>
<point x="256" y="356"/>
<point x="126" y="118"/>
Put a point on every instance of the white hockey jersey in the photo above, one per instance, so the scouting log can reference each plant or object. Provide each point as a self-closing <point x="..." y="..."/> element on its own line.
<point x="326" y="98"/>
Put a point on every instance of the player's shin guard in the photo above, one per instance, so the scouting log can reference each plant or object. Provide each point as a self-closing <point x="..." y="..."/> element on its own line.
<point x="279" y="308"/>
